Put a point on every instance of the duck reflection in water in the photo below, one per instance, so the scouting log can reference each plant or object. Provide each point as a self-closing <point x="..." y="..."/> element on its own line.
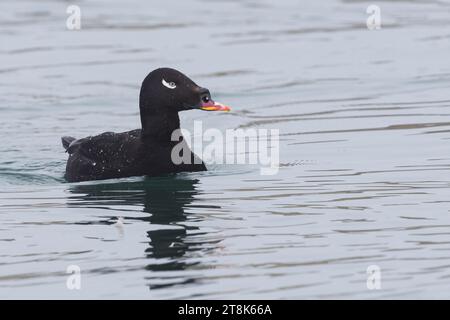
<point x="165" y="199"/>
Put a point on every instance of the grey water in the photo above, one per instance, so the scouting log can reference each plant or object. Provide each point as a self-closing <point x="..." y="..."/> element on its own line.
<point x="364" y="120"/>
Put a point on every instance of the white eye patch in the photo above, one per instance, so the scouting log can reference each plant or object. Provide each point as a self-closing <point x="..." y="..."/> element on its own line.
<point x="170" y="85"/>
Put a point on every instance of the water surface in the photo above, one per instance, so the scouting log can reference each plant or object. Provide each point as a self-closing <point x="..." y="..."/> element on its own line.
<point x="364" y="120"/>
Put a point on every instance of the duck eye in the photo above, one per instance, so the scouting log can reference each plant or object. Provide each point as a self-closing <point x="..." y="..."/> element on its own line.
<point x="170" y="85"/>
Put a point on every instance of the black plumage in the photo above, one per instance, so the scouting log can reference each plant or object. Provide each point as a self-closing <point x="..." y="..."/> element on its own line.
<point x="146" y="151"/>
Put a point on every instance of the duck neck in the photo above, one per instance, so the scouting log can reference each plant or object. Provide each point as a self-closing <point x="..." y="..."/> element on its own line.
<point x="158" y="127"/>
